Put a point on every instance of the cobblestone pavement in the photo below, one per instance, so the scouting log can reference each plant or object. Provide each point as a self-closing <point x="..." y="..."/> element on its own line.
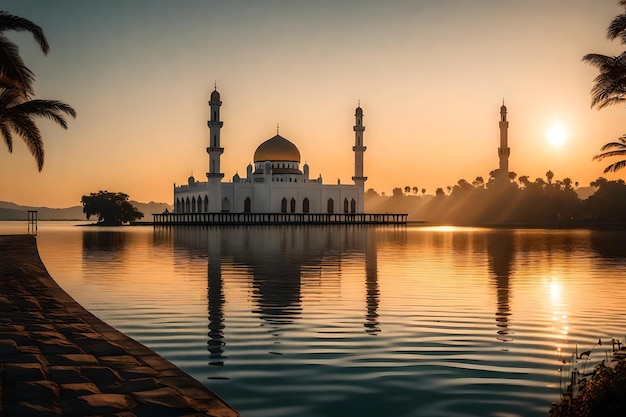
<point x="56" y="358"/>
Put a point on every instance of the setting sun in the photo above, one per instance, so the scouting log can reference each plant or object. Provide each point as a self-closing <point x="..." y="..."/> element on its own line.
<point x="556" y="135"/>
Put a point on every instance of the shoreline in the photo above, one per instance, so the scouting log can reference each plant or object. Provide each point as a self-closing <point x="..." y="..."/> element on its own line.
<point x="57" y="358"/>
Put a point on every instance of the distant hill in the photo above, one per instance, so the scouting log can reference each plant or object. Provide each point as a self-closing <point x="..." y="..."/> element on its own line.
<point x="12" y="211"/>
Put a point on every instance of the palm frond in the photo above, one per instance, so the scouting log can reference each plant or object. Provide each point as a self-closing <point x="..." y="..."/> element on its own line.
<point x="599" y="60"/>
<point x="13" y="71"/>
<point x="609" y="154"/>
<point x="6" y="134"/>
<point x="49" y="109"/>
<point x="19" y="24"/>
<point x="615" y="167"/>
<point x="617" y="27"/>
<point x="619" y="145"/>
<point x="26" y="128"/>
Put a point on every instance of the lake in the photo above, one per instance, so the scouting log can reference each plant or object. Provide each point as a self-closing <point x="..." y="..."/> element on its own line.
<point x="354" y="320"/>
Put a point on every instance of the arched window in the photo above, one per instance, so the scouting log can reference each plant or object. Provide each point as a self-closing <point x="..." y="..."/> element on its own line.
<point x="225" y="205"/>
<point x="283" y="205"/>
<point x="305" y="205"/>
<point x="177" y="207"/>
<point x="345" y="205"/>
<point x="293" y="205"/>
<point x="247" y="205"/>
<point x="187" y="206"/>
<point x="330" y="206"/>
<point x="206" y="203"/>
<point x="353" y="206"/>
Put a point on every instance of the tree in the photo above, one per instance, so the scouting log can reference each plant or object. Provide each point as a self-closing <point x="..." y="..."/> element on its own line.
<point x="423" y="191"/>
<point x="524" y="180"/>
<point x="613" y="149"/>
<point x="112" y="209"/>
<point x="549" y="176"/>
<point x="610" y="84"/>
<point x="16" y="87"/>
<point x="415" y="190"/>
<point x="407" y="189"/>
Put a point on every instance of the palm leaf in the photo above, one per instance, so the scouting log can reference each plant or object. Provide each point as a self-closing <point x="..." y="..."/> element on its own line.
<point x="615" y="167"/>
<point x="599" y="60"/>
<point x="49" y="109"/>
<point x="26" y="128"/>
<point x="6" y="134"/>
<point x="617" y="27"/>
<point x="19" y="24"/>
<point x="13" y="71"/>
<point x="609" y="154"/>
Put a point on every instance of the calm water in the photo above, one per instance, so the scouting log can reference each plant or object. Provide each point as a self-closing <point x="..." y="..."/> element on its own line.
<point x="322" y="321"/>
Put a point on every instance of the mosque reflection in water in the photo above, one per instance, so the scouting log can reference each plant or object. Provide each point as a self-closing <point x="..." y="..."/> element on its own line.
<point x="276" y="259"/>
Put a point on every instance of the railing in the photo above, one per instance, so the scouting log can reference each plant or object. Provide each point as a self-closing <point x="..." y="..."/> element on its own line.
<point x="277" y="218"/>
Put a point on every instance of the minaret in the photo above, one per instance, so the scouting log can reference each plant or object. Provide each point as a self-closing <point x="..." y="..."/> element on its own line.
<point x="358" y="149"/>
<point x="504" y="151"/>
<point x="215" y="152"/>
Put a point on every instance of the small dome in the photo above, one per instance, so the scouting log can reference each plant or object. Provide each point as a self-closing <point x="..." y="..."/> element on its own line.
<point x="277" y="149"/>
<point x="215" y="96"/>
<point x="359" y="111"/>
<point x="191" y="180"/>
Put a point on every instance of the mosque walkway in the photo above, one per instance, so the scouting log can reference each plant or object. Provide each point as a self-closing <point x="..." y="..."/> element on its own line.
<point x="56" y="358"/>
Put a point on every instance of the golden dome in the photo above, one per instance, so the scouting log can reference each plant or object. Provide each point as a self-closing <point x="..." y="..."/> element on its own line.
<point x="277" y="149"/>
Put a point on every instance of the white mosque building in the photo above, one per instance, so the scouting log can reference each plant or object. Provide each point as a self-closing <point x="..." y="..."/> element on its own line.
<point x="275" y="183"/>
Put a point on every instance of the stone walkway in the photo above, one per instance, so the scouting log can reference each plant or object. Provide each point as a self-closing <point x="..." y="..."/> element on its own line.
<point x="56" y="358"/>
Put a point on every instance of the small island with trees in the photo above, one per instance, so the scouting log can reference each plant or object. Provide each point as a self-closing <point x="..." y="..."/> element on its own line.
<point x="112" y="209"/>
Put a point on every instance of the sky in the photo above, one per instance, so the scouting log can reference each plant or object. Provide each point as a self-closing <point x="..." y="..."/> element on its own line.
<point x="430" y="76"/>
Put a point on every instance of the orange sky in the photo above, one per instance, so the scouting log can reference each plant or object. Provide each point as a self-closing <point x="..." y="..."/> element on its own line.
<point x="430" y="76"/>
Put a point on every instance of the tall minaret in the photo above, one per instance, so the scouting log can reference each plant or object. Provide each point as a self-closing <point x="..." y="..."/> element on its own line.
<point x="215" y="152"/>
<point x="358" y="149"/>
<point x="504" y="151"/>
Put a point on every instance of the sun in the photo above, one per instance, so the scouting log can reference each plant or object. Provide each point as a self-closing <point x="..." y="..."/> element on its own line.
<point x="556" y="135"/>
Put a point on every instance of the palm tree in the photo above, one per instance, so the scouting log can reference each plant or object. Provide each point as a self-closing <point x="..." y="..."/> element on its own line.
<point x="613" y="149"/>
<point x="610" y="84"/>
<point x="524" y="180"/>
<point x="16" y="88"/>
<point x="13" y="71"/>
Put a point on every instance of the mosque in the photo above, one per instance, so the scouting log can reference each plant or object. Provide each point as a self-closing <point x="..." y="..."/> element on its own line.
<point x="275" y="183"/>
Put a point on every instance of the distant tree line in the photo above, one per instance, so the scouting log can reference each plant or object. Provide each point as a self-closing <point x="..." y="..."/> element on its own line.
<point x="517" y="200"/>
